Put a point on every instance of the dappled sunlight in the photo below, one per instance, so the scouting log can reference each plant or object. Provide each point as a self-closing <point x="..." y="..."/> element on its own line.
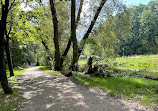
<point x="139" y="89"/>
<point x="49" y="105"/>
<point x="45" y="92"/>
<point x="30" y="94"/>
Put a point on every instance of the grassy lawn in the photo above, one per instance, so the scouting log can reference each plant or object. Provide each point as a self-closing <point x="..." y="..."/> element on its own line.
<point x="149" y="64"/>
<point x="47" y="69"/>
<point x="10" y="102"/>
<point x="138" y="89"/>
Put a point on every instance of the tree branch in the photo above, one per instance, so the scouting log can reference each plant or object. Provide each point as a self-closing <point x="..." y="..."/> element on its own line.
<point x="79" y="12"/>
<point x="86" y="35"/>
<point x="11" y="5"/>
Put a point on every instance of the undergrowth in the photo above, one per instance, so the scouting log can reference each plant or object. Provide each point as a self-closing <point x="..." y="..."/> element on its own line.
<point x="10" y="102"/>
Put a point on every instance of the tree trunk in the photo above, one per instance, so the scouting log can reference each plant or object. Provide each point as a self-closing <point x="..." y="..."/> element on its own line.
<point x="88" y="69"/>
<point x="69" y="43"/>
<point x="37" y="64"/>
<point x="9" y="59"/>
<point x="79" y="12"/>
<point x="65" y="52"/>
<point x="3" y="76"/>
<point x="47" y="49"/>
<point x="56" y="41"/>
<point x="50" y="58"/>
<point x="4" y="82"/>
<point x="86" y="35"/>
<point x="74" y="64"/>
<point x="44" y="44"/>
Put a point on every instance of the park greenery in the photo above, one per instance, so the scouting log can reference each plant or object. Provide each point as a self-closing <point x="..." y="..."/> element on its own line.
<point x="60" y="35"/>
<point x="11" y="102"/>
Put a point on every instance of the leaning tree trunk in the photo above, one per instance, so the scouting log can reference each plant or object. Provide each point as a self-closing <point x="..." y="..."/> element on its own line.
<point x="74" y="64"/>
<point x="9" y="59"/>
<point x="47" y="50"/>
<point x="50" y="58"/>
<point x="86" y="35"/>
<point x="3" y="76"/>
<point x="58" y="66"/>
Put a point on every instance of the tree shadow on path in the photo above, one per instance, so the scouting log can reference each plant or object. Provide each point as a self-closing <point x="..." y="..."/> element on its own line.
<point x="42" y="91"/>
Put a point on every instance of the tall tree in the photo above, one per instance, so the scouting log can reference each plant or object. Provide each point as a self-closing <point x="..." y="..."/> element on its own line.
<point x="56" y="40"/>
<point x="3" y="23"/>
<point x="144" y="39"/>
<point x="74" y="64"/>
<point x="7" y="50"/>
<point x="76" y="55"/>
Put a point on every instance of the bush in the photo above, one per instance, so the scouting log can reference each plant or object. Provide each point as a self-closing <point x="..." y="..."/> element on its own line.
<point x="82" y="66"/>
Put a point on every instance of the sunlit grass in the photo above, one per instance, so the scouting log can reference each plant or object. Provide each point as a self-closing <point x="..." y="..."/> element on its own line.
<point x="149" y="64"/>
<point x="142" y="90"/>
<point x="139" y="89"/>
<point x="82" y="65"/>
<point x="10" y="102"/>
<point x="47" y="69"/>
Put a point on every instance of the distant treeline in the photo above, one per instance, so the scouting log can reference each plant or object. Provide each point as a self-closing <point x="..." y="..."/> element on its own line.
<point x="134" y="31"/>
<point x="144" y="31"/>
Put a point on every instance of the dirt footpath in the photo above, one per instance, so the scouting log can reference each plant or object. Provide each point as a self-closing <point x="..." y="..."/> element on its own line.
<point x="42" y="91"/>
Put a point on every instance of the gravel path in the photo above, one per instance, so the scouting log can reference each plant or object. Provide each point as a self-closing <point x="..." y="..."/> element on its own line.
<point x="42" y="91"/>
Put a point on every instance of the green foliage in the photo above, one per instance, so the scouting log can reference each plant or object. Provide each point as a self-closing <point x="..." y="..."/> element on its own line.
<point x="10" y="102"/>
<point x="143" y="90"/>
<point x="143" y="39"/>
<point x="26" y="54"/>
<point x="42" y="21"/>
<point x="82" y="66"/>
<point x="104" y="40"/>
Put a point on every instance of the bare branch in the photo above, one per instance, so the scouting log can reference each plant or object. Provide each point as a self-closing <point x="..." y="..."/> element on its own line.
<point x="79" y="12"/>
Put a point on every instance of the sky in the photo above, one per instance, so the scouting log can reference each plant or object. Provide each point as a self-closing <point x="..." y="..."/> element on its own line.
<point x="136" y="2"/>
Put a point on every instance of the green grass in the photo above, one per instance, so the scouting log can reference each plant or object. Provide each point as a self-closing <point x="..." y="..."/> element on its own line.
<point x="138" y="89"/>
<point x="148" y="64"/>
<point x="82" y="65"/>
<point x="142" y="90"/>
<point x="10" y="102"/>
<point x="47" y="69"/>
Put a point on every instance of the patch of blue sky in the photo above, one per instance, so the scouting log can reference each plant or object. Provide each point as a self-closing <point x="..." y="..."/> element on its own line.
<point x="136" y="2"/>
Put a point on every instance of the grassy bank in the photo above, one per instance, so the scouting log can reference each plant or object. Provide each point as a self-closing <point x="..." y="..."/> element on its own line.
<point x="148" y="65"/>
<point x="47" y="69"/>
<point x="10" y="102"/>
<point x="138" y="89"/>
<point x="145" y="64"/>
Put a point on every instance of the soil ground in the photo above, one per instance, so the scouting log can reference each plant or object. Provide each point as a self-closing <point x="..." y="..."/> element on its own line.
<point x="41" y="91"/>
